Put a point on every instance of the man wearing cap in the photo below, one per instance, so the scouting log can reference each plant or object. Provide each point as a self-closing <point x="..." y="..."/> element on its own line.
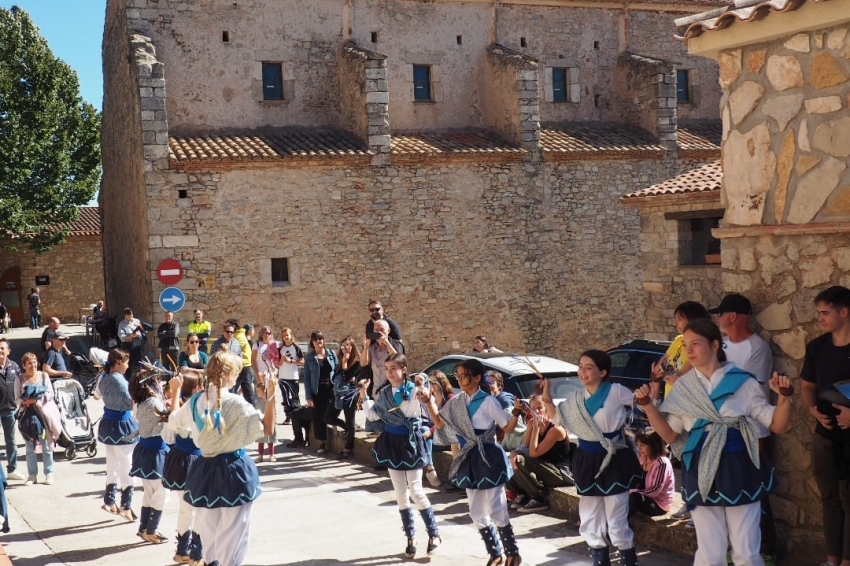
<point x="53" y="363"/>
<point x="49" y="333"/>
<point x="751" y="353"/>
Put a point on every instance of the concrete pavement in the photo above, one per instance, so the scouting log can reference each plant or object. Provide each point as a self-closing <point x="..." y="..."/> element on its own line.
<point x="315" y="510"/>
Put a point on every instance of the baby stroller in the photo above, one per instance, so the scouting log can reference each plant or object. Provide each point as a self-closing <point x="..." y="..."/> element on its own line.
<point x="77" y="427"/>
<point x="107" y="329"/>
<point x="84" y="370"/>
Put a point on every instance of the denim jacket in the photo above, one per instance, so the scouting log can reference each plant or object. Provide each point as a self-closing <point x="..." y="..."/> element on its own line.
<point x="311" y="371"/>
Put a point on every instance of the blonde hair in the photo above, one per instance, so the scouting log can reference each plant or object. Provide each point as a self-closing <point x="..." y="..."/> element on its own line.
<point x="221" y="365"/>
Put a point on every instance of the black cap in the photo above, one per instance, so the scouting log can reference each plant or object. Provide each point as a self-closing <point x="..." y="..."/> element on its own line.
<point x="733" y="303"/>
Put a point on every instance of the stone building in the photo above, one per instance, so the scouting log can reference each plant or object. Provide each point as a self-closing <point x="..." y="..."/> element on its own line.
<point x="74" y="271"/>
<point x="462" y="161"/>
<point x="782" y="188"/>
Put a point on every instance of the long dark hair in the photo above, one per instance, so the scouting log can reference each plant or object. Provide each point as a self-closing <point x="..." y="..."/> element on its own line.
<point x="601" y="359"/>
<point x="692" y="310"/>
<point x="315" y="335"/>
<point x="708" y="330"/>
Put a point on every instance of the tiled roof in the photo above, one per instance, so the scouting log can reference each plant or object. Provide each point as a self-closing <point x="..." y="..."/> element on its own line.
<point x="737" y="11"/>
<point x="286" y="144"/>
<point x="600" y="141"/>
<point x="700" y="139"/>
<point x="705" y="179"/>
<point x="88" y="223"/>
<point x="477" y="145"/>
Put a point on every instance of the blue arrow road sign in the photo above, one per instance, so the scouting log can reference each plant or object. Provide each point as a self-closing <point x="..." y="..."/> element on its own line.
<point x="172" y="299"/>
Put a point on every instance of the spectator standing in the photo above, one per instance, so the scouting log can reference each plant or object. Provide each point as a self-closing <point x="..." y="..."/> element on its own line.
<point x="54" y="362"/>
<point x="827" y="361"/>
<point x="655" y="496"/>
<point x="201" y="328"/>
<point x="266" y="375"/>
<point x="131" y="337"/>
<point x="290" y="358"/>
<point x="319" y="367"/>
<point x="26" y="395"/>
<point x="245" y="381"/>
<point x="11" y="374"/>
<point x="376" y="313"/>
<point x="375" y="353"/>
<point x="345" y="381"/>
<point x="34" y="302"/>
<point x="169" y="342"/>
<point x="226" y="341"/>
<point x="751" y="353"/>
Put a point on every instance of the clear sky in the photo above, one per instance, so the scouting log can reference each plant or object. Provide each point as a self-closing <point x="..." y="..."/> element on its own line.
<point x="74" y="30"/>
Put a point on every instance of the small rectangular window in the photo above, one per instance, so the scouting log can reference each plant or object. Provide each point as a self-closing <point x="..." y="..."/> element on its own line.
<point x="280" y="271"/>
<point x="697" y="245"/>
<point x="272" y="81"/>
<point x="559" y="85"/>
<point x="522" y="42"/>
<point x="683" y="91"/>
<point x="374" y="37"/>
<point x="421" y="82"/>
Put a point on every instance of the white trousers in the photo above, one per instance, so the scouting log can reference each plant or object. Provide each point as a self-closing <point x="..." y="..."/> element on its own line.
<point x="185" y="516"/>
<point x="155" y="495"/>
<point x="119" y="457"/>
<point x="488" y="506"/>
<point x="606" y="515"/>
<point x="738" y="525"/>
<point x="224" y="533"/>
<point x="407" y="484"/>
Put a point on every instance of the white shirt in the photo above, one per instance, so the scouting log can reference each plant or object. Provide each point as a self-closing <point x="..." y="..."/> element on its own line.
<point x="749" y="400"/>
<point x="411" y="408"/>
<point x="753" y="355"/>
<point x="488" y="412"/>
<point x="287" y="370"/>
<point x="611" y="415"/>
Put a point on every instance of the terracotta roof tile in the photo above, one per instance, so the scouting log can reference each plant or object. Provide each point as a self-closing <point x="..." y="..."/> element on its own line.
<point x="582" y="141"/>
<point x="700" y="139"/>
<point x="705" y="179"/>
<point x="737" y="11"/>
<point x="88" y="223"/>
<point x="284" y="144"/>
<point x="473" y="144"/>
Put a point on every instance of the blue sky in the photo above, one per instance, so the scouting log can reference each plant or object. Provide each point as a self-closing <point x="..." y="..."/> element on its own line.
<point x="74" y="30"/>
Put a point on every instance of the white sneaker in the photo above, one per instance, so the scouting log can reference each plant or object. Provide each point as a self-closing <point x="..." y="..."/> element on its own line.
<point x="433" y="478"/>
<point x="48" y="479"/>
<point x="31" y="480"/>
<point x="682" y="512"/>
<point x="15" y="475"/>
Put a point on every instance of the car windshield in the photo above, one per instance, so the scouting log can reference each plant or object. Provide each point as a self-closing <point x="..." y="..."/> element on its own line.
<point x="561" y="385"/>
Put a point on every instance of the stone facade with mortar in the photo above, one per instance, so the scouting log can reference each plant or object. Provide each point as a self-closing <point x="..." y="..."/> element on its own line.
<point x="786" y="191"/>
<point x="523" y="241"/>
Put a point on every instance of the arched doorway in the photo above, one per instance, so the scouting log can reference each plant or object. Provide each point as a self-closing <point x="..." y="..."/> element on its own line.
<point x="10" y="294"/>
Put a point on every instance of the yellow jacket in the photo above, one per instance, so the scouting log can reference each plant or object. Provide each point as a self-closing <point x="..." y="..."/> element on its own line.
<point x="246" y="347"/>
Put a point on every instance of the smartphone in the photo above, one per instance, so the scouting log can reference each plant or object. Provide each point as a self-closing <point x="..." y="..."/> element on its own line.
<point x="373" y="336"/>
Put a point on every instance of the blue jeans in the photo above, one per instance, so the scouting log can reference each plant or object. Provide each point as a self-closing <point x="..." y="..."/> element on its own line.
<point x="7" y="419"/>
<point x="32" y="458"/>
<point x="33" y="319"/>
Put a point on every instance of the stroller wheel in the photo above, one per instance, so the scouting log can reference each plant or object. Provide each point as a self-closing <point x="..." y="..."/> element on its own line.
<point x="70" y="452"/>
<point x="91" y="450"/>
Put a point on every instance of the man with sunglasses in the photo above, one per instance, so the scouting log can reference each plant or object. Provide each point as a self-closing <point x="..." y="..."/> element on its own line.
<point x="226" y="341"/>
<point x="376" y="312"/>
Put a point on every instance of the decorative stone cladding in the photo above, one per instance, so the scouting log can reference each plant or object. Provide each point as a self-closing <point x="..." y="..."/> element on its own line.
<point x="467" y="225"/>
<point x="786" y="191"/>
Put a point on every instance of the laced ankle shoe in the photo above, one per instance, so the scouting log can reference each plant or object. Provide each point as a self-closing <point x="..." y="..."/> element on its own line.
<point x="410" y="551"/>
<point x="128" y="514"/>
<point x="110" y="508"/>
<point x="433" y="544"/>
<point x="180" y="559"/>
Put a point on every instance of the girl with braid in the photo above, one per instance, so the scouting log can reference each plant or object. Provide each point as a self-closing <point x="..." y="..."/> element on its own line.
<point x="223" y="482"/>
<point x="150" y="452"/>
<point x="183" y="453"/>
<point x="401" y="448"/>
<point x="482" y="465"/>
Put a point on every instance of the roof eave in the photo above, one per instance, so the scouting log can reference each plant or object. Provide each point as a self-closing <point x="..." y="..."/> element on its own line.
<point x="701" y="197"/>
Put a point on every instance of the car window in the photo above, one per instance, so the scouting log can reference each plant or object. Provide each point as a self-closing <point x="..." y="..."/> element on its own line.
<point x="641" y="364"/>
<point x="446" y="366"/>
<point x="560" y="386"/>
<point x="619" y="361"/>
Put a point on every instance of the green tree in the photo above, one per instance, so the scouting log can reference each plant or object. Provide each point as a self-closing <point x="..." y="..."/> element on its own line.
<point x="49" y="139"/>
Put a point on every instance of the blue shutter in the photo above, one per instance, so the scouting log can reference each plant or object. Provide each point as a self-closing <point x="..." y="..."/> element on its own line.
<point x="682" y="90"/>
<point x="559" y="85"/>
<point x="272" y="81"/>
<point x="421" y="82"/>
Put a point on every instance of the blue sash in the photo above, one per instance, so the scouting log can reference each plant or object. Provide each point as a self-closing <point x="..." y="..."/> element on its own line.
<point x="186" y="445"/>
<point x="231" y="456"/>
<point x="478" y="432"/>
<point x="595" y="401"/>
<point x="731" y="382"/>
<point x="114" y="415"/>
<point x="397" y="430"/>
<point x="475" y="404"/>
<point x="152" y="442"/>
<point x="589" y="446"/>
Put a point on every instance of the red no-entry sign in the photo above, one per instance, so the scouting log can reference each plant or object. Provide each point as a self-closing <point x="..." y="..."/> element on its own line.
<point x="169" y="271"/>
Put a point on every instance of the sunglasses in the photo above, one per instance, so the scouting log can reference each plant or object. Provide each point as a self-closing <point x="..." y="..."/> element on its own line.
<point x="194" y="341"/>
<point x="228" y="332"/>
<point x="266" y="333"/>
<point x="460" y="376"/>
<point x="376" y="310"/>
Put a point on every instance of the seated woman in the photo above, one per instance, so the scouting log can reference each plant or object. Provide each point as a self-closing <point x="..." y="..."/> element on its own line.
<point x="538" y="460"/>
<point x="655" y="496"/>
<point x="194" y="360"/>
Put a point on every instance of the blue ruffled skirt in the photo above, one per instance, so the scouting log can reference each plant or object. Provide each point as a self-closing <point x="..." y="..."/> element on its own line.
<point x="117" y="427"/>
<point x="395" y="450"/>
<point x="149" y="458"/>
<point x="226" y="480"/>
<point x="622" y="473"/>
<point x="177" y="463"/>
<point x="474" y="473"/>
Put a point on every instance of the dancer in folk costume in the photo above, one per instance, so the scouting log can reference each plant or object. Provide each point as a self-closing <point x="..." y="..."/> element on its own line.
<point x="401" y="448"/>
<point x="482" y="466"/>
<point x="150" y="452"/>
<point x="177" y="462"/>
<point x="708" y="419"/>
<point x="119" y="431"/>
<point x="604" y="467"/>
<point x="223" y="483"/>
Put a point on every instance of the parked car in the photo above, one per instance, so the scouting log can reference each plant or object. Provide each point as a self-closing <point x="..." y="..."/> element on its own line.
<point x="631" y="362"/>
<point x="517" y="372"/>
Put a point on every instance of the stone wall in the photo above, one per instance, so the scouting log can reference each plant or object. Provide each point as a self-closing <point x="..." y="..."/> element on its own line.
<point x="647" y="91"/>
<point x="123" y="204"/>
<point x="76" y="277"/>
<point x="364" y="98"/>
<point x="453" y="250"/>
<point x="511" y="104"/>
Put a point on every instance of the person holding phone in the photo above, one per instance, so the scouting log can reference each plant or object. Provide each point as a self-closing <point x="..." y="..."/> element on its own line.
<point x="376" y="352"/>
